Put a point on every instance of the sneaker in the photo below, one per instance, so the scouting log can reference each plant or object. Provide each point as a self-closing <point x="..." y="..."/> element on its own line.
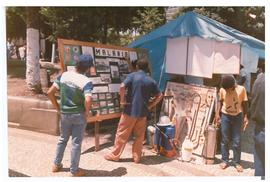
<point x="109" y="157"/>
<point x="239" y="168"/>
<point x="79" y="173"/>
<point x="56" y="168"/>
<point x="223" y="165"/>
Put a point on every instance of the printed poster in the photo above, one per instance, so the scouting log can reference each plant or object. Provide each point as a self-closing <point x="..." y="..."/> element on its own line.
<point x="87" y="50"/>
<point x="189" y="107"/>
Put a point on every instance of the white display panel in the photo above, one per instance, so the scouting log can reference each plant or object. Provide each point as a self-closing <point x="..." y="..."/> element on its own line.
<point x="227" y="58"/>
<point x="176" y="56"/>
<point x="249" y="60"/>
<point x="200" y="57"/>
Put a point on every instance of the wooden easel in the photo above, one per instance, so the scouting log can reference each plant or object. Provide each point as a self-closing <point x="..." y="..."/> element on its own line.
<point x="97" y="119"/>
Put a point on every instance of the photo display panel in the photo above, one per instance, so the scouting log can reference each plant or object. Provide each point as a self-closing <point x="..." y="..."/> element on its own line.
<point x="111" y="66"/>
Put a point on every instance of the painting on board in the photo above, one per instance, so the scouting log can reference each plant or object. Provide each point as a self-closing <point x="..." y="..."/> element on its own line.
<point x="189" y="107"/>
<point x="71" y="54"/>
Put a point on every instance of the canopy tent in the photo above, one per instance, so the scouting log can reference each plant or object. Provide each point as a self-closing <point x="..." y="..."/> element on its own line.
<point x="190" y="24"/>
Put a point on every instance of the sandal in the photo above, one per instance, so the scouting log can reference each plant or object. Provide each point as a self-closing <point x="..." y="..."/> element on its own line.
<point x="239" y="168"/>
<point x="223" y="165"/>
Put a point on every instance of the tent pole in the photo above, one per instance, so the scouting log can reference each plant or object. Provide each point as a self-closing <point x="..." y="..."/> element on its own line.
<point x="161" y="74"/>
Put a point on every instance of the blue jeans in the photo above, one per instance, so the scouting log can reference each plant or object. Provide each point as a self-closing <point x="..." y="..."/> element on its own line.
<point x="231" y="130"/>
<point x="71" y="125"/>
<point x="259" y="150"/>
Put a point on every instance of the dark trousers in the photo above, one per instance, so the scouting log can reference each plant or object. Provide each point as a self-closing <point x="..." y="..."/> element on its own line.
<point x="259" y="150"/>
<point x="231" y="130"/>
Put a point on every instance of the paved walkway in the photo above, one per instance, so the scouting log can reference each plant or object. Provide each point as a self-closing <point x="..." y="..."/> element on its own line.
<point x="31" y="154"/>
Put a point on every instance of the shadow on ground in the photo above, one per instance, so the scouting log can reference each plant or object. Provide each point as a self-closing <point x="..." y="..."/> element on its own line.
<point x="245" y="164"/>
<point x="120" y="171"/>
<point x="102" y="146"/>
<point x="12" y="173"/>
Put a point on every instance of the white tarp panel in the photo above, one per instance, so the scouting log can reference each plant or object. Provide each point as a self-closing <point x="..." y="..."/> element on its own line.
<point x="200" y="57"/>
<point x="249" y="59"/>
<point x="203" y="57"/>
<point x="176" y="55"/>
<point x="227" y="58"/>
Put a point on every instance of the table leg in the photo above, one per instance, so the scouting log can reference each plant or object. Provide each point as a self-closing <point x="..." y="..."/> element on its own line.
<point x="96" y="135"/>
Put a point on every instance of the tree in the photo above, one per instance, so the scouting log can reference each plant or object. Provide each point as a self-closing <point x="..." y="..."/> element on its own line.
<point x="32" y="41"/>
<point x="148" y="19"/>
<point x="237" y="17"/>
<point x="16" y="22"/>
<point x="95" y="24"/>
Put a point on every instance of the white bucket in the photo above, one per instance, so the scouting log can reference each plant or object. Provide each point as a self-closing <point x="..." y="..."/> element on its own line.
<point x="187" y="149"/>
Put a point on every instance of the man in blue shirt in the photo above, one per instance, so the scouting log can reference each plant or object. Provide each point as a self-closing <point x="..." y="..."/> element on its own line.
<point x="75" y="93"/>
<point x="140" y="88"/>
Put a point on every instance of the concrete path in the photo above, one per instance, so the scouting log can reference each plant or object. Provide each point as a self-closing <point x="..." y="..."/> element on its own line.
<point x="31" y="154"/>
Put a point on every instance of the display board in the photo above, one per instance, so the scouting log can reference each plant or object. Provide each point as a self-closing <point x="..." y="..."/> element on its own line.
<point x="111" y="66"/>
<point x="189" y="107"/>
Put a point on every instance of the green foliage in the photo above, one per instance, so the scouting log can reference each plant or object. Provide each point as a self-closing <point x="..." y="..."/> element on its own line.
<point x="99" y="24"/>
<point x="148" y="19"/>
<point x="57" y="25"/>
<point x="236" y="17"/>
<point x="16" y="22"/>
<point x="32" y="17"/>
<point x="117" y="25"/>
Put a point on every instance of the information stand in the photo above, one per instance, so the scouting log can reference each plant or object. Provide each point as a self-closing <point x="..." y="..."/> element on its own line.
<point x="111" y="66"/>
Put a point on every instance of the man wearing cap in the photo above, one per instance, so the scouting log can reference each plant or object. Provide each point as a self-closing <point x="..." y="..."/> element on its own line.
<point x="75" y="101"/>
<point x="140" y="87"/>
<point x="233" y="107"/>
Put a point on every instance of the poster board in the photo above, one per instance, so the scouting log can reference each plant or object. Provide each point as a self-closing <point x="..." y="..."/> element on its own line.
<point x="111" y="66"/>
<point x="189" y="107"/>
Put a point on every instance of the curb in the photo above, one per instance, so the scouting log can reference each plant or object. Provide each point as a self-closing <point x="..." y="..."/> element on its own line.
<point x="33" y="114"/>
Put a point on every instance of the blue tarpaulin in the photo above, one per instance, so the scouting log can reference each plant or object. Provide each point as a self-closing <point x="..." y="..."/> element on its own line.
<point x="189" y="25"/>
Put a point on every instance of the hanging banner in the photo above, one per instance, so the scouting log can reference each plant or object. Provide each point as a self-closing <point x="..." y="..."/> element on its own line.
<point x="200" y="57"/>
<point x="176" y="56"/>
<point x="249" y="60"/>
<point x="227" y="58"/>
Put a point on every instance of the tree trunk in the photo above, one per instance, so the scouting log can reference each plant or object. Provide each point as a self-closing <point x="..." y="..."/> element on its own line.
<point x="32" y="50"/>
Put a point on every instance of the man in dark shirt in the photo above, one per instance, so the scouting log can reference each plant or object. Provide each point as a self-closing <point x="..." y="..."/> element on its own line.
<point x="257" y="115"/>
<point x="135" y="103"/>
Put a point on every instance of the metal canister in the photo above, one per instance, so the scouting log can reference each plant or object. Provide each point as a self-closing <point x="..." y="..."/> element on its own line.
<point x="209" y="150"/>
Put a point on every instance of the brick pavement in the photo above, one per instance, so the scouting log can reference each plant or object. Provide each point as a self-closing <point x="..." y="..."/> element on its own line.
<point x="31" y="154"/>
